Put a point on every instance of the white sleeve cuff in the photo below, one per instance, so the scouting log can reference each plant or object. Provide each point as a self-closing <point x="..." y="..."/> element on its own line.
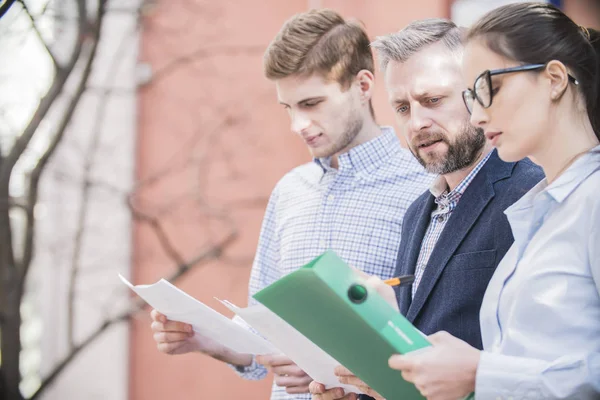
<point x="252" y="372"/>
<point x="501" y="377"/>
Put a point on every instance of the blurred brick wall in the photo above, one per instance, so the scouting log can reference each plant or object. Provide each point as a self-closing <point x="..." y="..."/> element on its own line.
<point x="211" y="129"/>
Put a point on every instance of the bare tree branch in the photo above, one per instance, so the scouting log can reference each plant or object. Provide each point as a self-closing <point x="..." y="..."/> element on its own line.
<point x="228" y="121"/>
<point x="122" y="10"/>
<point x="12" y="274"/>
<point x="77" y="248"/>
<point x="45" y="8"/>
<point x="60" y="131"/>
<point x="76" y="350"/>
<point x="60" y="78"/>
<point x="161" y="235"/>
<point x="39" y="34"/>
<point x="203" y="54"/>
<point x="110" y="91"/>
<point x="5" y="6"/>
<point x="207" y="256"/>
<point x="84" y="54"/>
<point x="90" y="158"/>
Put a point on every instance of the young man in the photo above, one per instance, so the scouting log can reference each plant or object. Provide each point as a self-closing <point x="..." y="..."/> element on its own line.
<point x="351" y="198"/>
<point x="456" y="233"/>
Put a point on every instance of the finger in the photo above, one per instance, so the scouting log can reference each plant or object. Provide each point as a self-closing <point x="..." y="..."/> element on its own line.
<point x="176" y="326"/>
<point x="157" y="326"/>
<point x="369" y="392"/>
<point x="351" y="380"/>
<point x="156" y="316"/>
<point x="171" y="326"/>
<point x="291" y="370"/>
<point x="333" y="394"/>
<point x="421" y="386"/>
<point x="439" y="337"/>
<point x="316" y="387"/>
<point x="374" y="281"/>
<point x="340" y="370"/>
<point x="280" y="360"/>
<point x="385" y="291"/>
<point x="408" y="376"/>
<point x="297" y="389"/>
<point x="289" y="381"/>
<point x="167" y="337"/>
<point x="262" y="359"/>
<point x="169" y="348"/>
<point x="273" y="360"/>
<point x="401" y="362"/>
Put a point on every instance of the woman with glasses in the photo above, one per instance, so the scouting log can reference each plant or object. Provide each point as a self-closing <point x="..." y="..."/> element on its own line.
<point x="536" y="89"/>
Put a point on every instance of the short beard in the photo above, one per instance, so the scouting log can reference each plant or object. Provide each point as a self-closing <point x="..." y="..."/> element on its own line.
<point x="462" y="153"/>
<point x="354" y="125"/>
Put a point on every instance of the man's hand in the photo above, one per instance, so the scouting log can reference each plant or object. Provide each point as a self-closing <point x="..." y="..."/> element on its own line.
<point x="173" y="337"/>
<point x="287" y="374"/>
<point x="346" y="377"/>
<point x="319" y="392"/>
<point x="384" y="290"/>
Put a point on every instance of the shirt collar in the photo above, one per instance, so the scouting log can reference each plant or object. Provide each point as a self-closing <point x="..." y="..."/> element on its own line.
<point x="569" y="180"/>
<point x="439" y="187"/>
<point x="368" y="156"/>
<point x="563" y="186"/>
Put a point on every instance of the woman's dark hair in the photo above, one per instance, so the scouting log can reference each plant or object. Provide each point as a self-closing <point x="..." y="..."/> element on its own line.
<point x="533" y="33"/>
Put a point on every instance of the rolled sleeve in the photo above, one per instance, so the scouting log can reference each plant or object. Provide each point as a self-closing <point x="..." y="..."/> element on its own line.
<point x="254" y="371"/>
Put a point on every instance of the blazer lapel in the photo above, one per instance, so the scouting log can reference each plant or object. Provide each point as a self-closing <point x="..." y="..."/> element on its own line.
<point x="472" y="203"/>
<point x="408" y="261"/>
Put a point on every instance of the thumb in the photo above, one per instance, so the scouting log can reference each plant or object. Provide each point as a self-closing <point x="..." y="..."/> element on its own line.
<point x="316" y="388"/>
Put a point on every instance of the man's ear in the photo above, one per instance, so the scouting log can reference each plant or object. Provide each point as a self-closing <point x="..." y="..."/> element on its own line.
<point x="558" y="77"/>
<point x="366" y="84"/>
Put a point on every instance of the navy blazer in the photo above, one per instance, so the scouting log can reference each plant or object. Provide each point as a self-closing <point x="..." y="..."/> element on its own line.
<point x="473" y="242"/>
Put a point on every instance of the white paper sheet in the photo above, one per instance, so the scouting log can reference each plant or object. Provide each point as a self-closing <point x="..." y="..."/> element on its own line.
<point x="308" y="356"/>
<point x="179" y="306"/>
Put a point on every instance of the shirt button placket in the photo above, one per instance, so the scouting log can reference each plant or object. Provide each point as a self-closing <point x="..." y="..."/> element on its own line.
<point x="325" y="224"/>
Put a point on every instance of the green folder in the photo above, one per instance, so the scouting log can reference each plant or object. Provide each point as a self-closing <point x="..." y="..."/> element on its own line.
<point x="327" y="302"/>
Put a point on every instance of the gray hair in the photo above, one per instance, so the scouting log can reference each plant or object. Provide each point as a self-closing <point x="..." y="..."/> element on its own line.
<point x="400" y="46"/>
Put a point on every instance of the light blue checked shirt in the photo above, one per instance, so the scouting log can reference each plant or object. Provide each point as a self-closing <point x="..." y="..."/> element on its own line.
<point x="446" y="203"/>
<point x="540" y="316"/>
<point x="355" y="210"/>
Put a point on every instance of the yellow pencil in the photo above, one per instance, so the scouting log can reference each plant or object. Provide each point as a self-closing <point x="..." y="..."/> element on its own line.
<point x="403" y="280"/>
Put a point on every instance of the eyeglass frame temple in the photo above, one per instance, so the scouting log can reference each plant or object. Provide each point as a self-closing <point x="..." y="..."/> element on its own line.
<point x="490" y="73"/>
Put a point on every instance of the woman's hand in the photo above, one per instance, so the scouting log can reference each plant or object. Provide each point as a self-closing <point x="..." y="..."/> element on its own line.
<point x="445" y="371"/>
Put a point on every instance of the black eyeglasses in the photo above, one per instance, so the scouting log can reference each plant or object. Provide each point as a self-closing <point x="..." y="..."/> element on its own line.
<point x="482" y="89"/>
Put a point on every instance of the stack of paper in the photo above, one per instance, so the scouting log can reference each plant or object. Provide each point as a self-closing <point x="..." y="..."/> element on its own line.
<point x="179" y="306"/>
<point x="312" y="316"/>
<point x="281" y="337"/>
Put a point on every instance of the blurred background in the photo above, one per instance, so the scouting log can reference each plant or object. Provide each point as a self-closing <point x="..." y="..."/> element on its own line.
<point x="140" y="137"/>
